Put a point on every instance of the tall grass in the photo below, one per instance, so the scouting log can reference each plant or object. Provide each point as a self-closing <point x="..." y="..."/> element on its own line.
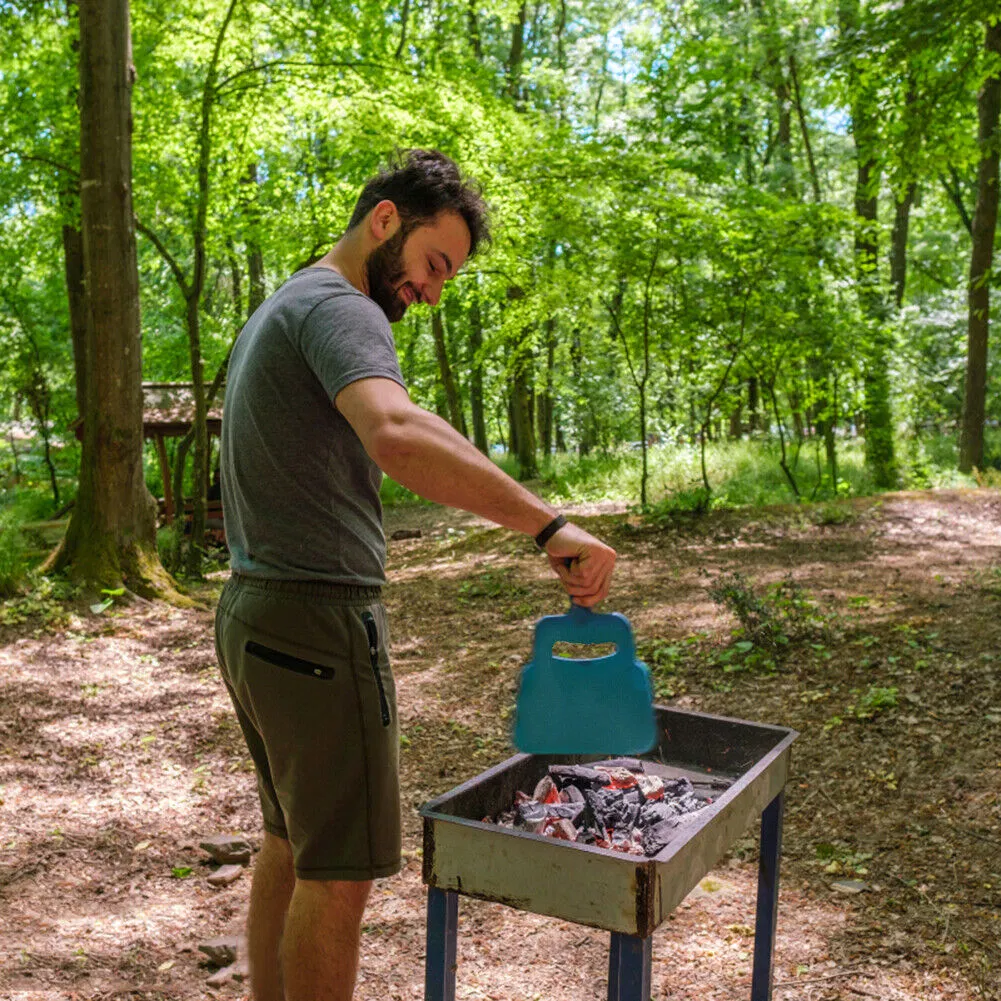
<point x="741" y="473"/>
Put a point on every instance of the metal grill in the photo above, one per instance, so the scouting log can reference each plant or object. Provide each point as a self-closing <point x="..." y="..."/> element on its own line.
<point x="744" y="764"/>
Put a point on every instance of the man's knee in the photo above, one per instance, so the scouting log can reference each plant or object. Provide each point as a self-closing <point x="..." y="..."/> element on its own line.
<point x="276" y="848"/>
<point x="346" y="897"/>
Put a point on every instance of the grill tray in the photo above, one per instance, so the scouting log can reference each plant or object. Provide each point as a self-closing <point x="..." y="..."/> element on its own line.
<point x="597" y="886"/>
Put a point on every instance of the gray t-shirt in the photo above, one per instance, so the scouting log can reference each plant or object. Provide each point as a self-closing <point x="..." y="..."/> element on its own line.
<point x="300" y="495"/>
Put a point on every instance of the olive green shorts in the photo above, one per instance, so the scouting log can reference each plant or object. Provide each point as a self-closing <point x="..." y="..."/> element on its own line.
<point x="307" y="668"/>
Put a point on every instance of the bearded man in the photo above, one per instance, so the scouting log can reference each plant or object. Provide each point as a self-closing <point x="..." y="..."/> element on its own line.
<point x="316" y="411"/>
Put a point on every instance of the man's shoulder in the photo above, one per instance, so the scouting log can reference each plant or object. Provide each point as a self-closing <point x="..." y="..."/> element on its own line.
<point x="320" y="289"/>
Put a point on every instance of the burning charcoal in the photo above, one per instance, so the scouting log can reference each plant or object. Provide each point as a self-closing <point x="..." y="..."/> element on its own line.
<point x="611" y="809"/>
<point x="532" y="816"/>
<point x="565" y="811"/>
<point x="562" y="829"/>
<point x="621" y="778"/>
<point x="623" y="841"/>
<point x="652" y="786"/>
<point x="546" y="791"/>
<point x="657" y="836"/>
<point x="578" y="775"/>
<point x="521" y="797"/>
<point x="678" y="787"/>
<point x="573" y="795"/>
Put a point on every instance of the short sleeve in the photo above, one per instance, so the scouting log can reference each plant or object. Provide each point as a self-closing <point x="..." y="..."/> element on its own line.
<point x="345" y="338"/>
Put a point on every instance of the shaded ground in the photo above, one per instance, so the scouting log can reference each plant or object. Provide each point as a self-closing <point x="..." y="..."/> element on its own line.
<point x="118" y="753"/>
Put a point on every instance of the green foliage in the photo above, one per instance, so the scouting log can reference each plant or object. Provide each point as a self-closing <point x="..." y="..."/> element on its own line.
<point x="671" y="264"/>
<point x="770" y="622"/>
<point x="13" y="565"/>
<point x="490" y="585"/>
<point x="46" y="601"/>
<point x="874" y="700"/>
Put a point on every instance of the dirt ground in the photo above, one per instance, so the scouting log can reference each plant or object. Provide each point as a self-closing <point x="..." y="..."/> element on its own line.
<point x="119" y="753"/>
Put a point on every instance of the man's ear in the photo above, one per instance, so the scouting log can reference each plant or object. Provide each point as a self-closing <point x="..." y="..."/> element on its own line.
<point x="384" y="221"/>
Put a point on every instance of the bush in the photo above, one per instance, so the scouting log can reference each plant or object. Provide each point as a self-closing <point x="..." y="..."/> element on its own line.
<point x="169" y="548"/>
<point x="13" y="565"/>
<point x="784" y="615"/>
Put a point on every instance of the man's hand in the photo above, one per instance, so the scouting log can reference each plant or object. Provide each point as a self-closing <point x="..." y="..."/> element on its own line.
<point x="589" y="573"/>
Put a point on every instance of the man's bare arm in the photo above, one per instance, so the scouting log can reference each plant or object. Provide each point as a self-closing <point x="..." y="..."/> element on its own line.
<point x="427" y="455"/>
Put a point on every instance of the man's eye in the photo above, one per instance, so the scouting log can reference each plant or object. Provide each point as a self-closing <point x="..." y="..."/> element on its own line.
<point x="434" y="270"/>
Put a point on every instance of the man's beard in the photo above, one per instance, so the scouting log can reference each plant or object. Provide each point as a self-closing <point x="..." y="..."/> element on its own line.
<point x="384" y="268"/>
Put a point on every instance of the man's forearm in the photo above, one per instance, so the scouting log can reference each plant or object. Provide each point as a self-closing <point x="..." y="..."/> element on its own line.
<point x="428" y="456"/>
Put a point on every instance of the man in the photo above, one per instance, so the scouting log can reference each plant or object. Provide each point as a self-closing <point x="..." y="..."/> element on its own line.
<point x="315" y="412"/>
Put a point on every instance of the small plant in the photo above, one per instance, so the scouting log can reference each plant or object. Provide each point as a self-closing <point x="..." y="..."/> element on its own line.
<point x="491" y="585"/>
<point x="837" y="858"/>
<point x="693" y="501"/>
<point x="874" y="701"/>
<point x="834" y="514"/>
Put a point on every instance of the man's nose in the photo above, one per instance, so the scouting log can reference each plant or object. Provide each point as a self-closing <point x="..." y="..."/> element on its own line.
<point x="431" y="293"/>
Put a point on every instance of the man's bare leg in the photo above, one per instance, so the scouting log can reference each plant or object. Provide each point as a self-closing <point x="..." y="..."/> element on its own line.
<point x="322" y="935"/>
<point x="274" y="880"/>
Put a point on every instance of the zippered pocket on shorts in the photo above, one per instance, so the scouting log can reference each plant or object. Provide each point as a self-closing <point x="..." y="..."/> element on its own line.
<point x="286" y="660"/>
<point x="373" y="655"/>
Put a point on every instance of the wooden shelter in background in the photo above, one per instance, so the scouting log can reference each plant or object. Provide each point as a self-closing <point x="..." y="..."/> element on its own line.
<point x="169" y="412"/>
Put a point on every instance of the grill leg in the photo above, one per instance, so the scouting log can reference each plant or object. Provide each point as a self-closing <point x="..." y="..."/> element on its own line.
<point x="768" y="899"/>
<point x="439" y="964"/>
<point x="629" y="961"/>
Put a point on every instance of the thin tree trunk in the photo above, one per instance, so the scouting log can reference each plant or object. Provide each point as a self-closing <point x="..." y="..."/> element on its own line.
<point x="476" y="378"/>
<point x="474" y="29"/>
<point x="255" y="268"/>
<point x="512" y="69"/>
<point x="404" y="19"/>
<point x="76" y="294"/>
<point x="445" y="372"/>
<point x="200" y="475"/>
<point x="955" y="193"/>
<point x="546" y="397"/>
<point x="111" y="537"/>
<point x="985" y="217"/>
<point x="521" y="412"/>
<point x="814" y="178"/>
<point x="898" y="244"/>
<point x="879" y="450"/>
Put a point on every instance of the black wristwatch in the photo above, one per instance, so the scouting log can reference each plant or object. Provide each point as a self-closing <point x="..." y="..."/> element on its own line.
<point x="549" y="531"/>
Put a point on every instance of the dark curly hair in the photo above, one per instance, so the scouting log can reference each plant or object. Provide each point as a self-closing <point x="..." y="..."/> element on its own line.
<point x="422" y="183"/>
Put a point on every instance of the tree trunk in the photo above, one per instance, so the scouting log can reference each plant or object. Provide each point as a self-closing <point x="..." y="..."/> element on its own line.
<point x="878" y="414"/>
<point x="111" y="537"/>
<point x="521" y="407"/>
<point x="76" y="294"/>
<point x="545" y="421"/>
<point x="474" y="29"/>
<point x="879" y="452"/>
<point x="200" y="473"/>
<point x="516" y="54"/>
<point x="476" y="379"/>
<point x="255" y="267"/>
<point x="445" y="372"/>
<point x="255" y="260"/>
<point x="752" y="404"/>
<point x="985" y="217"/>
<point x="898" y="244"/>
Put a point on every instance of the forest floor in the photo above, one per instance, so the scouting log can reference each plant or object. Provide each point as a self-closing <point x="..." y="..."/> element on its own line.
<point x="119" y="753"/>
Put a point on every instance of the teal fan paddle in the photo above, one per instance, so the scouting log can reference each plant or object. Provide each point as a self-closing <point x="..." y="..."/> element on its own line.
<point x="602" y="705"/>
